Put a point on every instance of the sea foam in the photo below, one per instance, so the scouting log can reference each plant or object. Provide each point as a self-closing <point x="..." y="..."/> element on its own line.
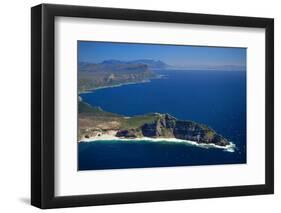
<point x="228" y="148"/>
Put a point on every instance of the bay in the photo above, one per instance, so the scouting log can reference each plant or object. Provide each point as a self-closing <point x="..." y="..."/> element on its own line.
<point x="214" y="98"/>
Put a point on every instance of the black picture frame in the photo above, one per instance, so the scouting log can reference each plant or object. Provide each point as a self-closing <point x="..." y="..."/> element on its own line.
<point x="43" y="117"/>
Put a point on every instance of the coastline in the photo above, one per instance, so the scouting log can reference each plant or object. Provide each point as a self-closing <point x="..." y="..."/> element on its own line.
<point x="111" y="86"/>
<point x="111" y="137"/>
<point x="120" y="84"/>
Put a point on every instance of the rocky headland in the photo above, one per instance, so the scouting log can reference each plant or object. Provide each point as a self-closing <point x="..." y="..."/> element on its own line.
<point x="96" y="123"/>
<point x="114" y="72"/>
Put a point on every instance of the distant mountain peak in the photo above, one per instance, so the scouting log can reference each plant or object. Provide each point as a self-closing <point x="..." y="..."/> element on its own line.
<point x="112" y="61"/>
<point x="153" y="64"/>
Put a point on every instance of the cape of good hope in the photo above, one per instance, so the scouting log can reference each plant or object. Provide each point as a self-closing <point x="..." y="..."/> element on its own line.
<point x="95" y="122"/>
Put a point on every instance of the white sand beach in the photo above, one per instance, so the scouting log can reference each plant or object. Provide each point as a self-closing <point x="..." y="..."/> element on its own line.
<point x="110" y="136"/>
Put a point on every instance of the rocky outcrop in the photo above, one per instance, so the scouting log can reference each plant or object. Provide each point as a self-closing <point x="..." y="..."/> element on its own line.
<point x="93" y="122"/>
<point x="131" y="133"/>
<point x="167" y="126"/>
<point x="188" y="130"/>
<point x="162" y="127"/>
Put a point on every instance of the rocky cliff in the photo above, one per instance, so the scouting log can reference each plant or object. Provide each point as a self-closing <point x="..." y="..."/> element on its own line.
<point x="111" y="73"/>
<point x="93" y="121"/>
<point x="167" y="126"/>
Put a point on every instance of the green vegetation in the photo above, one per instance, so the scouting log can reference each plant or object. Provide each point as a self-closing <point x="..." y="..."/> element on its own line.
<point x="210" y="134"/>
<point x="94" y="121"/>
<point x="137" y="121"/>
<point x="84" y="107"/>
<point x="125" y="122"/>
<point x="91" y="76"/>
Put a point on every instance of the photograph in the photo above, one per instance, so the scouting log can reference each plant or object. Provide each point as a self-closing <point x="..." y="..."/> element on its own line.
<point x="141" y="105"/>
<point x="144" y="105"/>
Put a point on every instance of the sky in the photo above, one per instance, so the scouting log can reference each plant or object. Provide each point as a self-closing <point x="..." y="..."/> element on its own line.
<point x="175" y="55"/>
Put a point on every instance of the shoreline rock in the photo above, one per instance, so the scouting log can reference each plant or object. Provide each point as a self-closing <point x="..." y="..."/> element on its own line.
<point x="167" y="126"/>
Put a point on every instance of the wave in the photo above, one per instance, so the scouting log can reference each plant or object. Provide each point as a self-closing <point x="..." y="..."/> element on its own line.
<point x="228" y="148"/>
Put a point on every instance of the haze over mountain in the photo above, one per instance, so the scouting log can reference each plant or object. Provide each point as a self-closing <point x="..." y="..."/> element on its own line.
<point x="115" y="65"/>
<point x="115" y="72"/>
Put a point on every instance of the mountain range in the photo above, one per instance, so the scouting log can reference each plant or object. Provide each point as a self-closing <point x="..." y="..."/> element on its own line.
<point x="116" y="72"/>
<point x="118" y="65"/>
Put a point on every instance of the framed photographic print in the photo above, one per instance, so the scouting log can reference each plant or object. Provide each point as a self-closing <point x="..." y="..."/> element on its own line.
<point x="140" y="106"/>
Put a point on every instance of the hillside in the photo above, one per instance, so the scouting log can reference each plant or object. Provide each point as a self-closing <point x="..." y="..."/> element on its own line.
<point x="94" y="122"/>
<point x="115" y="72"/>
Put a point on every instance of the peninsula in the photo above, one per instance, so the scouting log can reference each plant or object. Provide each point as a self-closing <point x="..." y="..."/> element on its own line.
<point x="114" y="72"/>
<point x="95" y="124"/>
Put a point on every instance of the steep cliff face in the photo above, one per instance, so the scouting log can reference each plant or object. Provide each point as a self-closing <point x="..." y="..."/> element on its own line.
<point x="162" y="127"/>
<point x="192" y="131"/>
<point x="168" y="126"/>
<point x="111" y="73"/>
<point x="93" y="121"/>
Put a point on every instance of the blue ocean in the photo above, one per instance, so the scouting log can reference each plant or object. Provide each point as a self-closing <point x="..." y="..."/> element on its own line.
<point x="214" y="98"/>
